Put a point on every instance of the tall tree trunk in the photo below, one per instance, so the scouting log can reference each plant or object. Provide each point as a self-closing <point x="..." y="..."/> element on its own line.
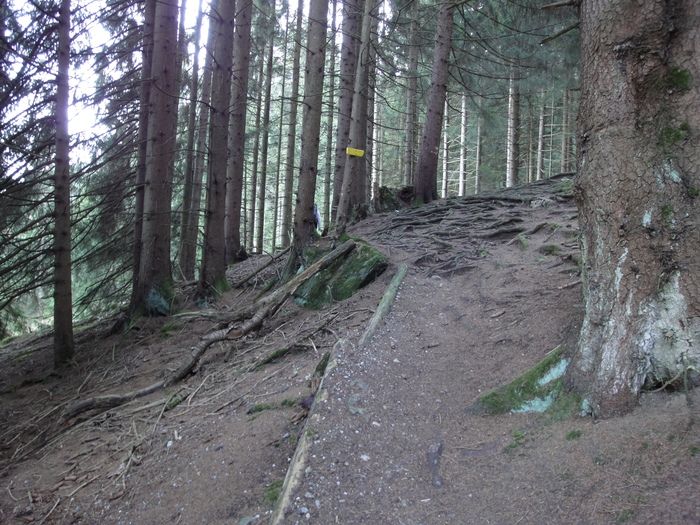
<point x="478" y="152"/>
<point x="412" y="99"/>
<point x="212" y="278"/>
<point x="425" y="179"/>
<point x="253" y="182"/>
<point x="637" y="188"/>
<point x="63" y="345"/>
<point x="565" y="134"/>
<point x="445" y="151"/>
<point x="292" y="133"/>
<point x="463" y="147"/>
<point x="262" y="179"/>
<point x="352" y="191"/>
<point x="311" y="125"/>
<point x="513" y="141"/>
<point x="237" y="126"/>
<point x="188" y="235"/>
<point x="539" y="164"/>
<point x="328" y="179"/>
<point x="149" y="14"/>
<point x="154" y="288"/>
<point x="352" y="19"/>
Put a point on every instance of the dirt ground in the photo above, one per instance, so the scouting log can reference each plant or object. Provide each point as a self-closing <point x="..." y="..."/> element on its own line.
<point x="391" y="435"/>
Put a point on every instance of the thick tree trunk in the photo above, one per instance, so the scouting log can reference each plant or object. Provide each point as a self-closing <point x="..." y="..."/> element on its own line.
<point x="153" y="290"/>
<point x="352" y="19"/>
<point x="637" y="188"/>
<point x="311" y="124"/>
<point x="212" y="277"/>
<point x="425" y="178"/>
<point x="63" y="345"/>
<point x="355" y="173"/>
<point x="237" y="125"/>
<point x="149" y="14"/>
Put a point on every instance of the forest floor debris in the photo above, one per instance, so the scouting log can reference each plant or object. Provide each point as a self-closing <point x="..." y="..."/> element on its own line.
<point x="492" y="286"/>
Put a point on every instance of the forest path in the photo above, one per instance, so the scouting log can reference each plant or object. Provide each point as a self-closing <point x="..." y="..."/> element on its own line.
<point x="492" y="287"/>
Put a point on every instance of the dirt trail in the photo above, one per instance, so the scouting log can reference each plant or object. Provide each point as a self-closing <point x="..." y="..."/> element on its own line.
<point x="492" y="287"/>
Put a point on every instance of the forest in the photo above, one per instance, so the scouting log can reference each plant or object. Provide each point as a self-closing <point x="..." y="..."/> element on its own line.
<point x="132" y="124"/>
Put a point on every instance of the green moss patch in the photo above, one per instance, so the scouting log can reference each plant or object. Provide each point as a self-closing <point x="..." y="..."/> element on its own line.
<point x="342" y="278"/>
<point x="534" y="391"/>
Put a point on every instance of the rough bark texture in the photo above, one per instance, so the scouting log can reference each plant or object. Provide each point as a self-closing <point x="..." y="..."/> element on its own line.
<point x="637" y="189"/>
<point x="355" y="172"/>
<point x="149" y="14"/>
<point x="292" y="133"/>
<point x="63" y="345"/>
<point x="352" y="18"/>
<point x="213" y="273"/>
<point x="311" y="125"/>
<point x="155" y="275"/>
<point x="425" y="178"/>
<point x="239" y="99"/>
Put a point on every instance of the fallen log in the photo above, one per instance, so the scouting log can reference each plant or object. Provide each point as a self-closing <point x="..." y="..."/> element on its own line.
<point x="257" y="313"/>
<point x="384" y="305"/>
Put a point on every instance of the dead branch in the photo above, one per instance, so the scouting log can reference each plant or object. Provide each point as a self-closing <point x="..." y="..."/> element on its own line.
<point x="260" y="269"/>
<point x="384" y="305"/>
<point x="257" y="313"/>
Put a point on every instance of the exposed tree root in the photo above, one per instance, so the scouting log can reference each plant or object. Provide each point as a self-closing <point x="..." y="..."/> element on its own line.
<point x="256" y="314"/>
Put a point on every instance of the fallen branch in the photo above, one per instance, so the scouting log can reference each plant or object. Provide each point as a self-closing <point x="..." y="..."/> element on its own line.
<point x="259" y="311"/>
<point x="384" y="306"/>
<point x="260" y="269"/>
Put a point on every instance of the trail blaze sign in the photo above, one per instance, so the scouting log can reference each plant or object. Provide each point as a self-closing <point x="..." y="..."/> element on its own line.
<point x="355" y="152"/>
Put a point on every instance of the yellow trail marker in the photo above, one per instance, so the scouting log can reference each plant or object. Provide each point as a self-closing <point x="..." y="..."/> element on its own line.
<point x="355" y="152"/>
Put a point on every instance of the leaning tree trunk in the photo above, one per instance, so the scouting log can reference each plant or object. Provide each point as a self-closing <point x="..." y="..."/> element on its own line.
<point x="637" y="188"/>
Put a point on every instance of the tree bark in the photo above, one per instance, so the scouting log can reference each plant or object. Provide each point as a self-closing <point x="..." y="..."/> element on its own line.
<point x="311" y="124"/>
<point x="190" y="208"/>
<point x="539" y="163"/>
<point x="463" y="147"/>
<point x="154" y="287"/>
<point x="355" y="172"/>
<point x="63" y="345"/>
<point x="212" y="279"/>
<point x="328" y="179"/>
<point x="149" y="14"/>
<point x="513" y="141"/>
<point x="292" y="133"/>
<point x="237" y="126"/>
<point x="411" y="99"/>
<point x="262" y="178"/>
<point x="352" y="17"/>
<point x="425" y="179"/>
<point x="637" y="188"/>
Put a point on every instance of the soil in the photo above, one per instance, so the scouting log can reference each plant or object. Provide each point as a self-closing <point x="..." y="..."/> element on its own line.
<point x="390" y="435"/>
